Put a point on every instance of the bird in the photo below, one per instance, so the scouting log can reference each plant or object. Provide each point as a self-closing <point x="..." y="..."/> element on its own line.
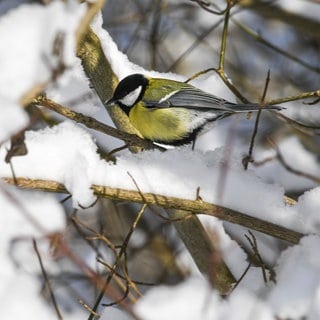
<point x="171" y="112"/>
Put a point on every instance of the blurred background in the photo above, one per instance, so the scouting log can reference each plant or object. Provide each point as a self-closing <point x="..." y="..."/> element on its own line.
<point x="184" y="37"/>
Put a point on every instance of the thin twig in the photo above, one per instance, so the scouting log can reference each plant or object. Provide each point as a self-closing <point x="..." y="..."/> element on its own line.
<point x="194" y="45"/>
<point x="221" y="71"/>
<point x="300" y="96"/>
<point x="98" y="236"/>
<point x="89" y="309"/>
<point x="123" y="250"/>
<point x="115" y="150"/>
<point x="142" y="283"/>
<point x="290" y="168"/>
<point x="305" y="128"/>
<point x="249" y="158"/>
<point x="224" y="37"/>
<point x="46" y="279"/>
<point x="256" y="254"/>
<point x="75" y="222"/>
<point x="110" y="276"/>
<point x="242" y="276"/>
<point x="275" y="48"/>
<point x="200" y="73"/>
<point x="205" y="5"/>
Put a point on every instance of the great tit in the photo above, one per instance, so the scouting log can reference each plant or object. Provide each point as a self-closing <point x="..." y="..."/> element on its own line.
<point x="171" y="112"/>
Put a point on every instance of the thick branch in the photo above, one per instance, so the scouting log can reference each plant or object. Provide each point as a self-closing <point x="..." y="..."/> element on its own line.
<point x="195" y="206"/>
<point x="102" y="77"/>
<point x="201" y="248"/>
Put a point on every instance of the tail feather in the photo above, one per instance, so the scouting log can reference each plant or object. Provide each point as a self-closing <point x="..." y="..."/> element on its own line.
<point x="234" y="107"/>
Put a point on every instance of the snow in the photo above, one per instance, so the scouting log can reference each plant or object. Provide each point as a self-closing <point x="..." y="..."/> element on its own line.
<point x="76" y="164"/>
<point x="25" y="215"/>
<point x="165" y="302"/>
<point x="310" y="202"/>
<point x="72" y="90"/>
<point x="26" y="60"/>
<point x="290" y="298"/>
<point x="69" y="163"/>
<point x="37" y="28"/>
<point x="67" y="153"/>
<point x="114" y="313"/>
<point x="295" y="297"/>
<point x="172" y="303"/>
<point x="14" y="118"/>
<point x="120" y="63"/>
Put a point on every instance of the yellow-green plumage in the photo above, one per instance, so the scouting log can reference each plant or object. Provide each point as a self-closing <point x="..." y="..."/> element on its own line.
<point x="157" y="88"/>
<point x="165" y="125"/>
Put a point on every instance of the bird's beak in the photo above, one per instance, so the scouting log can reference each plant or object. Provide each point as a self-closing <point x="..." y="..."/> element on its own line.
<point x="110" y="101"/>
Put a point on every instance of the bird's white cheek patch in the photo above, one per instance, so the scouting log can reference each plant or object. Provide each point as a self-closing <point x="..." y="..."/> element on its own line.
<point x="131" y="98"/>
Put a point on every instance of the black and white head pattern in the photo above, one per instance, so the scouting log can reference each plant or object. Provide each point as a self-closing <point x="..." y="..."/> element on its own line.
<point x="130" y="90"/>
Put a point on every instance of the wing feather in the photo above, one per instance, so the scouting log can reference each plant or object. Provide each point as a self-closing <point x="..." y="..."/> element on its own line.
<point x="192" y="98"/>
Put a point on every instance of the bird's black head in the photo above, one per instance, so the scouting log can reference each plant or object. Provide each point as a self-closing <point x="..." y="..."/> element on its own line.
<point x="129" y="91"/>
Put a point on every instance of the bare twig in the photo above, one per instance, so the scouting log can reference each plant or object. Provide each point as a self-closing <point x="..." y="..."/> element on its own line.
<point x="194" y="45"/>
<point x="46" y="279"/>
<point x="275" y="48"/>
<point x="136" y="282"/>
<point x="200" y="73"/>
<point x="248" y="158"/>
<point x="290" y="168"/>
<point x="224" y="37"/>
<point x="123" y="251"/>
<point x="256" y="254"/>
<point x="300" y="96"/>
<point x="221" y="69"/>
<point x="298" y="21"/>
<point x="113" y="270"/>
<point x="196" y="207"/>
<point x="89" y="309"/>
<point x="77" y="223"/>
<point x="206" y="6"/>
<point x="305" y="128"/>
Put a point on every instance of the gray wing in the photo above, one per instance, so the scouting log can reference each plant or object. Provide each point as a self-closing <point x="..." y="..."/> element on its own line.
<point x="193" y="98"/>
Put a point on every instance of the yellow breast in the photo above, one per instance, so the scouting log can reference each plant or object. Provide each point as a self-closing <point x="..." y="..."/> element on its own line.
<point x="160" y="124"/>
